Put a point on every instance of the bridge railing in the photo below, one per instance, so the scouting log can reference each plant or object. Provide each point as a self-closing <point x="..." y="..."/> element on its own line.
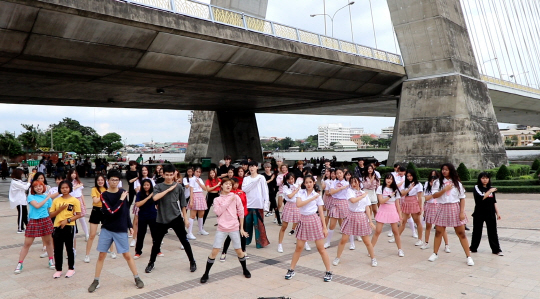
<point x="237" y="19"/>
<point x="510" y="84"/>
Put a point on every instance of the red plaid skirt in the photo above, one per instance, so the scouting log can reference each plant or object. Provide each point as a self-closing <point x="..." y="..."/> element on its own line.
<point x="39" y="227"/>
<point x="135" y="210"/>
<point x="199" y="202"/>
<point x="430" y="211"/>
<point x="410" y="205"/>
<point x="356" y="224"/>
<point x="328" y="200"/>
<point x="309" y="228"/>
<point x="291" y="213"/>
<point x="448" y="215"/>
<point x="340" y="209"/>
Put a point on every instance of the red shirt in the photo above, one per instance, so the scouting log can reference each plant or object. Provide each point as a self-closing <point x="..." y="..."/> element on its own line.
<point x="240" y="181"/>
<point x="243" y="197"/>
<point x="213" y="183"/>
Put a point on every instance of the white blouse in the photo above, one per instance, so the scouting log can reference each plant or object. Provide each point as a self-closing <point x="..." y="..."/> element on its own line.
<point x="193" y="184"/>
<point x="343" y="193"/>
<point x="359" y="206"/>
<point x="432" y="200"/>
<point x="415" y="190"/>
<point x="454" y="195"/>
<point x="312" y="206"/>
<point x="388" y="192"/>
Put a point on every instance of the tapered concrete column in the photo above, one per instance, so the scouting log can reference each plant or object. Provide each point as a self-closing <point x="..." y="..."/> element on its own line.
<point x="445" y="112"/>
<point x="216" y="134"/>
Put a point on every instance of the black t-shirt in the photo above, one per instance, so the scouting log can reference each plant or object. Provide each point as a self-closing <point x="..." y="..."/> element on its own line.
<point x="223" y="169"/>
<point x="483" y="207"/>
<point x="116" y="212"/>
<point x="131" y="174"/>
<point x="272" y="185"/>
<point x="148" y="210"/>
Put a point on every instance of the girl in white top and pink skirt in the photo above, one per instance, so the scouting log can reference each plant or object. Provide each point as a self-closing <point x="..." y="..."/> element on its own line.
<point x="389" y="211"/>
<point x="358" y="222"/>
<point x="197" y="204"/>
<point x="430" y="210"/>
<point x="291" y="213"/>
<point x="340" y="208"/>
<point x="327" y="198"/>
<point x="311" y="226"/>
<point x="450" y="196"/>
<point x="412" y="194"/>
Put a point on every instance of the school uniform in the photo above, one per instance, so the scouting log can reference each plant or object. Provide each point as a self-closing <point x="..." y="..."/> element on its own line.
<point x="327" y="197"/>
<point x="310" y="226"/>
<point x="449" y="207"/>
<point x="370" y="186"/>
<point x="340" y="208"/>
<point x="388" y="212"/>
<point x="430" y="206"/>
<point x="357" y="222"/>
<point x="410" y="203"/>
<point x="199" y="202"/>
<point x="291" y="213"/>
<point x="484" y="211"/>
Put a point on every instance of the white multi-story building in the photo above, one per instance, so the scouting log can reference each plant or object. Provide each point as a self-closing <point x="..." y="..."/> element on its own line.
<point x="334" y="133"/>
<point x="387" y="133"/>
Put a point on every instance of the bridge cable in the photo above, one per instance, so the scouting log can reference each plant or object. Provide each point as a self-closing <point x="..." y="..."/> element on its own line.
<point x="515" y="42"/>
<point x="533" y="27"/>
<point x="488" y="30"/>
<point x="476" y="44"/>
<point x="525" y="43"/>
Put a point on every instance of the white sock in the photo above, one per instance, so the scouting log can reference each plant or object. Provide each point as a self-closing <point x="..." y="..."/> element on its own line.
<point x="330" y="234"/>
<point x="200" y="220"/>
<point x="410" y="221"/>
<point x="84" y="226"/>
<point x="190" y="229"/>
<point x="351" y="240"/>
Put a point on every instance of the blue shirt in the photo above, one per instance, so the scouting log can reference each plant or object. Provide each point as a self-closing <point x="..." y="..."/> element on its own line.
<point x="42" y="212"/>
<point x="148" y="210"/>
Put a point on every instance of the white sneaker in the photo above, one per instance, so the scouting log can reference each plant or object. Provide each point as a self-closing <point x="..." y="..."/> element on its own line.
<point x="18" y="270"/>
<point x="390" y="234"/>
<point x="500" y="254"/>
<point x="470" y="262"/>
<point x="415" y="234"/>
<point x="275" y="220"/>
<point x="327" y="244"/>
<point x="280" y="248"/>
<point x="44" y="255"/>
<point x="373" y="262"/>
<point x="130" y="236"/>
<point x="133" y="243"/>
<point x="161" y="254"/>
<point x="191" y="237"/>
<point x="425" y="246"/>
<point x="87" y="259"/>
<point x="447" y="248"/>
<point x="113" y="255"/>
<point x="181" y="247"/>
<point x="307" y="247"/>
<point x="204" y="233"/>
<point x="359" y="238"/>
<point x="393" y="240"/>
<point x="352" y="247"/>
<point x="433" y="257"/>
<point x="419" y="243"/>
<point x="400" y="253"/>
<point x="335" y="262"/>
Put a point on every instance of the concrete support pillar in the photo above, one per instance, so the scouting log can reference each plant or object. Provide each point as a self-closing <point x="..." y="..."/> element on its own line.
<point x="216" y="134"/>
<point x="445" y="112"/>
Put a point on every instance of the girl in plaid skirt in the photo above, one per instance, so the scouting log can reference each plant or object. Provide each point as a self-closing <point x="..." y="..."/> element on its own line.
<point x="430" y="210"/>
<point x="197" y="204"/>
<point x="339" y="209"/>
<point x="312" y="226"/>
<point x="411" y="205"/>
<point x="358" y="223"/>
<point x="451" y="211"/>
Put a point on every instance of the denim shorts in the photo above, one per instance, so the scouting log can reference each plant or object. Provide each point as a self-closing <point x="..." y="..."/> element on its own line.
<point x="106" y="237"/>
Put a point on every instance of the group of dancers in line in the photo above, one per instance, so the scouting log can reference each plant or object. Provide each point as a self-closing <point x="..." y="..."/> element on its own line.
<point x="162" y="203"/>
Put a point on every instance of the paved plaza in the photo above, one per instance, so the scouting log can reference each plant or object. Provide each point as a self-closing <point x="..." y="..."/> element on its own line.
<point x="515" y="275"/>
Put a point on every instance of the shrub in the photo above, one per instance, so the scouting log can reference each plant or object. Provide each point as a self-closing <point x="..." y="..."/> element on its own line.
<point x="526" y="177"/>
<point x="503" y="173"/>
<point x="519" y="169"/>
<point x="463" y="172"/>
<point x="412" y="167"/>
<point x="536" y="164"/>
<point x="537" y="173"/>
<point x="384" y="170"/>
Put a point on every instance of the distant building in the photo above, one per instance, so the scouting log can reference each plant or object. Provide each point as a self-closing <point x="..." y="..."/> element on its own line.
<point x="345" y="146"/>
<point x="519" y="137"/>
<point x="334" y="133"/>
<point x="387" y="133"/>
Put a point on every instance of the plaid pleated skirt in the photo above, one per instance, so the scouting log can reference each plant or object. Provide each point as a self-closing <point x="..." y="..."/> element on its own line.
<point x="309" y="228"/>
<point x="328" y="200"/>
<point x="430" y="211"/>
<point x="39" y="227"/>
<point x="448" y="215"/>
<point x="387" y="214"/>
<point x="83" y="206"/>
<point x="356" y="224"/>
<point x="410" y="205"/>
<point x="199" y="202"/>
<point x="291" y="213"/>
<point x="135" y="210"/>
<point x="340" y="209"/>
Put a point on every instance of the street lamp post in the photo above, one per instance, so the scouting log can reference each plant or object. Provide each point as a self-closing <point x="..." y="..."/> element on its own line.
<point x="331" y="17"/>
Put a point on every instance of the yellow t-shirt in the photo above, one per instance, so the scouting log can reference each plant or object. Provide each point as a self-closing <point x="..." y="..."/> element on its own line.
<point x="66" y="213"/>
<point x="96" y="193"/>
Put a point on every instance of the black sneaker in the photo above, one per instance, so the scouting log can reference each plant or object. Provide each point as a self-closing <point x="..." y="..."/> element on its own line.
<point x="467" y="228"/>
<point x="290" y="274"/>
<point x="328" y="276"/>
<point x="139" y="283"/>
<point x="94" y="286"/>
<point x="149" y="268"/>
<point x="247" y="274"/>
<point x="291" y="232"/>
<point x="192" y="266"/>
<point x="204" y="278"/>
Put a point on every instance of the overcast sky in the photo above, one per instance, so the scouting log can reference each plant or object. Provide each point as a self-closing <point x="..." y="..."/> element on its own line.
<point x="137" y="125"/>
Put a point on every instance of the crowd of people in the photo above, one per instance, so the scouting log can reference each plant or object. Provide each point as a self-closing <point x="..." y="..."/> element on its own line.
<point x="360" y="202"/>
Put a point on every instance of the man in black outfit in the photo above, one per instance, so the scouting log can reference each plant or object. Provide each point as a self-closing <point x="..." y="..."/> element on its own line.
<point x="223" y="169"/>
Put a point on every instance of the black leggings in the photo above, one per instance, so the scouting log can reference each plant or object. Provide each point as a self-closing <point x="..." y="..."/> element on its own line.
<point x="228" y="242"/>
<point x="209" y="202"/>
<point x="61" y="237"/>
<point x="22" y="216"/>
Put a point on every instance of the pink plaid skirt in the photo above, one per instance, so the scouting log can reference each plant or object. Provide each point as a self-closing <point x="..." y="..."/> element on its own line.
<point x="199" y="202"/>
<point x="356" y="224"/>
<point x="387" y="214"/>
<point x="328" y="199"/>
<point x="291" y="213"/>
<point x="135" y="210"/>
<point x="448" y="215"/>
<point x="39" y="227"/>
<point x="409" y="205"/>
<point x="340" y="209"/>
<point x="430" y="211"/>
<point x="309" y="228"/>
<point x="83" y="206"/>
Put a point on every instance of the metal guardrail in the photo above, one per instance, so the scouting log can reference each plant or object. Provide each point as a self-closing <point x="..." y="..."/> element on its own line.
<point x="237" y="19"/>
<point x="509" y="84"/>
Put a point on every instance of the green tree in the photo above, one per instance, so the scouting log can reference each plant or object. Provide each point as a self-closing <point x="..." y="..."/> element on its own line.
<point x="9" y="145"/>
<point x="508" y="142"/>
<point x="412" y="167"/>
<point x="463" y="172"/>
<point x="30" y="139"/>
<point x="285" y="143"/>
<point x="537" y="135"/>
<point x="535" y="165"/>
<point x="503" y="173"/>
<point x="111" y="142"/>
<point x="366" y="139"/>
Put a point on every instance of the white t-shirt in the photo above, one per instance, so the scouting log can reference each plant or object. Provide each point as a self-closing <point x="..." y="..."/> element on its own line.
<point x="415" y="190"/>
<point x="119" y="184"/>
<point x="400" y="179"/>
<point x="359" y="206"/>
<point x="388" y="192"/>
<point x="76" y="192"/>
<point x="54" y="190"/>
<point x="288" y="190"/>
<point x="137" y="184"/>
<point x="452" y="196"/>
<point x="343" y="193"/>
<point x="256" y="191"/>
<point x="185" y="181"/>
<point x="312" y="206"/>
<point x="432" y="200"/>
<point x="193" y="184"/>
<point x="378" y="174"/>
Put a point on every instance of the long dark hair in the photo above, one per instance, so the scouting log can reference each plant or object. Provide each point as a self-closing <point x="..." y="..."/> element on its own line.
<point x="366" y="173"/>
<point x="354" y="178"/>
<point x="140" y="174"/>
<point x="151" y="190"/>
<point x="393" y="186"/>
<point x="481" y="175"/>
<point x="315" y="186"/>
<point x="453" y="175"/>
<point x="286" y="179"/>
<point x="70" y="172"/>
<point x="104" y="182"/>
<point x="37" y="175"/>
<point x="433" y="175"/>
<point x="414" y="177"/>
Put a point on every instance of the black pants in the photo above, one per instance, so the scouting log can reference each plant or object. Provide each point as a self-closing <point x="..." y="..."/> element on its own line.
<point x="131" y="197"/>
<point x="141" y="233"/>
<point x="180" y="229"/>
<point x="22" y="216"/>
<point x="209" y="202"/>
<point x="228" y="242"/>
<point x="61" y="237"/>
<point x="491" y="224"/>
